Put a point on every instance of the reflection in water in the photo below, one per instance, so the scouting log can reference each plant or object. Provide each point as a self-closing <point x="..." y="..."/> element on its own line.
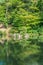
<point x="1" y="62"/>
<point x="33" y="63"/>
<point x="32" y="60"/>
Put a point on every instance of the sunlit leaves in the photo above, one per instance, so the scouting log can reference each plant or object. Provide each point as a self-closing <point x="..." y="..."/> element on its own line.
<point x="23" y="16"/>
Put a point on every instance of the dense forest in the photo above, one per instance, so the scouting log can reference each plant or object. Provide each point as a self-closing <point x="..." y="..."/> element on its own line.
<point x="21" y="32"/>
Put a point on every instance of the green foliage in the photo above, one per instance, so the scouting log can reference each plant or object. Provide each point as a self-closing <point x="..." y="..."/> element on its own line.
<point x="23" y="16"/>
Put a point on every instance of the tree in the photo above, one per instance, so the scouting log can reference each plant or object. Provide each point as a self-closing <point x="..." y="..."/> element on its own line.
<point x="23" y="16"/>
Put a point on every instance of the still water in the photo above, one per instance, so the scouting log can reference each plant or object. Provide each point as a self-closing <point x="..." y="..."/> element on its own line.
<point x="32" y="63"/>
<point x="1" y="62"/>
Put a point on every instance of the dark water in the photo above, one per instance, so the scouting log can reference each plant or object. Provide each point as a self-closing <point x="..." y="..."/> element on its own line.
<point x="33" y="63"/>
<point x="1" y="62"/>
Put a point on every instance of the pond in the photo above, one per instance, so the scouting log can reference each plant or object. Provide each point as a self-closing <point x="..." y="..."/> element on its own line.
<point x="2" y="62"/>
<point x="33" y="63"/>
